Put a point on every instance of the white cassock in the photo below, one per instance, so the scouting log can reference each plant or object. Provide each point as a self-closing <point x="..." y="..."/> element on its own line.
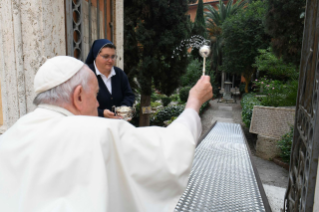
<point x="53" y="161"/>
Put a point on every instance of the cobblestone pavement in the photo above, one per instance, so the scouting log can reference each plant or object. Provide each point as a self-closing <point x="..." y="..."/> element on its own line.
<point x="269" y="172"/>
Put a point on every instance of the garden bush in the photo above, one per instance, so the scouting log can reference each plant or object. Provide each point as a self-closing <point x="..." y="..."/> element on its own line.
<point x="166" y="100"/>
<point x="285" y="144"/>
<point x="278" y="93"/>
<point x="155" y="104"/>
<point x="194" y="72"/>
<point x="183" y="93"/>
<point x="247" y="103"/>
<point x="166" y="114"/>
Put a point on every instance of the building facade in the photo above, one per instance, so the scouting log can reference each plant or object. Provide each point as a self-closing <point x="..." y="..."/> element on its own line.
<point x="32" y="31"/>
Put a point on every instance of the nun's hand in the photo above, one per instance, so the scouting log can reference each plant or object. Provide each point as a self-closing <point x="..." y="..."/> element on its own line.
<point x="110" y="115"/>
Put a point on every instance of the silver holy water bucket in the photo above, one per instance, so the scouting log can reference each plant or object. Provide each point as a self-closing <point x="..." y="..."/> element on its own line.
<point x="126" y="112"/>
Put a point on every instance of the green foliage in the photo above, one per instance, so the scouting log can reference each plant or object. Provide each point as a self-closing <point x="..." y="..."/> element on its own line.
<point x="243" y="35"/>
<point x="155" y="104"/>
<point x="172" y="119"/>
<point x="214" y="21"/>
<point x="166" y="100"/>
<point x="166" y="114"/>
<point x="275" y="67"/>
<point x="175" y="97"/>
<point x="285" y="144"/>
<point x="199" y="26"/>
<point x="278" y="93"/>
<point x="183" y="93"/>
<point x="194" y="72"/>
<point x="153" y="28"/>
<point x="247" y="103"/>
<point x="285" y="23"/>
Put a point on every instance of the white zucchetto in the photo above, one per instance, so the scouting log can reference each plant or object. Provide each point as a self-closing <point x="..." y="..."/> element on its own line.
<point x="56" y="71"/>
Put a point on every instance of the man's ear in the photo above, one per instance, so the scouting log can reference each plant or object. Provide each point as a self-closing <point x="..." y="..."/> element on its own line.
<point x="78" y="97"/>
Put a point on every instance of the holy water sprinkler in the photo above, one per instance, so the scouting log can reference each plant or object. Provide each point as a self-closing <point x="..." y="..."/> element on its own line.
<point x="195" y="42"/>
<point x="204" y="51"/>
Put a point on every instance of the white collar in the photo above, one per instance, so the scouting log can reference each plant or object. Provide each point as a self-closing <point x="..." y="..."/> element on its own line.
<point x="99" y="73"/>
<point x="56" y="109"/>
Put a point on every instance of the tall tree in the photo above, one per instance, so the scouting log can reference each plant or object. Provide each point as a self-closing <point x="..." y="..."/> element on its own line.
<point x="199" y="26"/>
<point x="243" y="35"/>
<point x="285" y="23"/>
<point x="156" y="28"/>
<point x="214" y="21"/>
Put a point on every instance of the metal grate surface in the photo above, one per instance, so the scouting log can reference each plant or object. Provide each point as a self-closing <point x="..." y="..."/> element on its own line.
<point x="222" y="177"/>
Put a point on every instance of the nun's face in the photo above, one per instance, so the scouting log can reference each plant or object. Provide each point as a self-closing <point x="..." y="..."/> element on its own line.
<point x="105" y="60"/>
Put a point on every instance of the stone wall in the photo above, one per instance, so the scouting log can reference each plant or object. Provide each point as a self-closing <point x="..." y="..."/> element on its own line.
<point x="270" y="123"/>
<point x="119" y="32"/>
<point x="30" y="32"/>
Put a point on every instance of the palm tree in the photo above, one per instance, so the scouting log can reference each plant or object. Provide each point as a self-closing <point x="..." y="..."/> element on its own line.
<point x="214" y="21"/>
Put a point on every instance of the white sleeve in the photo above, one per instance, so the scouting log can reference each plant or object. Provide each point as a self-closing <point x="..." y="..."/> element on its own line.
<point x="190" y="118"/>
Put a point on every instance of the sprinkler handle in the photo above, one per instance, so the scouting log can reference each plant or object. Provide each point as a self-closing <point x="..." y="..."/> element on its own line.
<point x="204" y="65"/>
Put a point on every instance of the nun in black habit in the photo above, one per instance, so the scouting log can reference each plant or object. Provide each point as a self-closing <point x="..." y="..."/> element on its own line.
<point x="115" y="89"/>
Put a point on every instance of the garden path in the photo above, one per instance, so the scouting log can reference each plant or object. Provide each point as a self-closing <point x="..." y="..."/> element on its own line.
<point x="273" y="177"/>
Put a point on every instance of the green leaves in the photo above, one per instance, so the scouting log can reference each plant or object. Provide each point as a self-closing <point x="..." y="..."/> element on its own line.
<point x="268" y="63"/>
<point x="285" y="143"/>
<point x="247" y="103"/>
<point x="243" y="35"/>
<point x="152" y="30"/>
<point x="284" y="23"/>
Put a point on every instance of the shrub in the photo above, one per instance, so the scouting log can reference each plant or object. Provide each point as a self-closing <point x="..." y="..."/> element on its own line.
<point x="175" y="97"/>
<point x="166" y="100"/>
<point x="166" y="114"/>
<point x="285" y="143"/>
<point x="194" y="72"/>
<point x="278" y="93"/>
<point x="247" y="103"/>
<point x="155" y="104"/>
<point x="183" y="93"/>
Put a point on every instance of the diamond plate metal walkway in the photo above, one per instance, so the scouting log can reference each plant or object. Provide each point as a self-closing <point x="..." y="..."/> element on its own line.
<point x="223" y="177"/>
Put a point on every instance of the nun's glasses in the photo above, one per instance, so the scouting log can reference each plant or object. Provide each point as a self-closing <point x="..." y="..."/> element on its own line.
<point x="107" y="57"/>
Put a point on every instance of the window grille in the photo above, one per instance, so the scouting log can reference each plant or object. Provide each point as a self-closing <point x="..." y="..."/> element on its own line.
<point x="86" y="21"/>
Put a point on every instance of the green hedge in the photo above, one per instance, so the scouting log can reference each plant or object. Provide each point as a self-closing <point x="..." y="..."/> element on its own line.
<point x="284" y="145"/>
<point x="166" y="100"/>
<point x="247" y="103"/>
<point x="183" y="93"/>
<point x="166" y="114"/>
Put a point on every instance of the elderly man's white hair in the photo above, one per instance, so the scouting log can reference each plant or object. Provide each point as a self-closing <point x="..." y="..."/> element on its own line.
<point x="62" y="94"/>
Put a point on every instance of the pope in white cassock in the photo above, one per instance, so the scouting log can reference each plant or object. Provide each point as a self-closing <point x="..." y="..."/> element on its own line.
<point x="63" y="158"/>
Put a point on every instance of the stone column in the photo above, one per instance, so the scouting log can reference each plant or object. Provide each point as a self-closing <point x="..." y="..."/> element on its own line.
<point x="30" y="32"/>
<point x="223" y="80"/>
<point x="119" y="32"/>
<point x="316" y="201"/>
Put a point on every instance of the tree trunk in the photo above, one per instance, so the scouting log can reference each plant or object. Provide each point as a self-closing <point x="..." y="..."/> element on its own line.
<point x="145" y="118"/>
<point x="246" y="86"/>
<point x="247" y="80"/>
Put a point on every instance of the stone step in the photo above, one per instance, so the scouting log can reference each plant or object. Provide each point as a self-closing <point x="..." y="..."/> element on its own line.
<point x="222" y="107"/>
